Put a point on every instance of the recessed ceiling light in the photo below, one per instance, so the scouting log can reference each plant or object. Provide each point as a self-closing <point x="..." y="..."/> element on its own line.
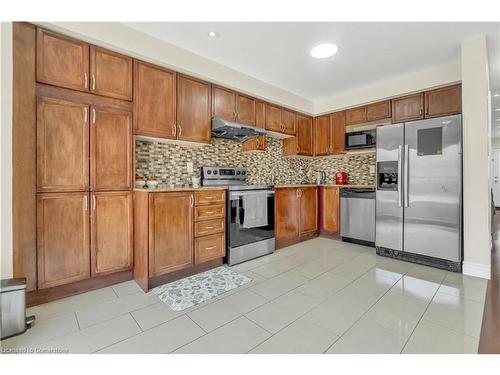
<point x="213" y="34"/>
<point x="324" y="50"/>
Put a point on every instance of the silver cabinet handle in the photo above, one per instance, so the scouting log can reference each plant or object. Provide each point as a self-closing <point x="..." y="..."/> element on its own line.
<point x="93" y="115"/>
<point x="85" y="115"/>
<point x="191" y="200"/>
<point x="210" y="247"/>
<point x="209" y="227"/>
<point x="400" y="197"/>
<point x="93" y="82"/>
<point x="93" y="202"/>
<point x="85" y="203"/>
<point x="86" y="79"/>
<point x="174" y="130"/>
<point x="406" y="177"/>
<point x="210" y="212"/>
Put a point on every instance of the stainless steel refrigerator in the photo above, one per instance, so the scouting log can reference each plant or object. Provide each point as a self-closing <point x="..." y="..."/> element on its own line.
<point x="419" y="192"/>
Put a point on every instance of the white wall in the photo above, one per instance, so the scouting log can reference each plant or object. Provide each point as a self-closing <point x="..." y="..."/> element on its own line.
<point x="6" y="149"/>
<point x="413" y="82"/>
<point x="124" y="39"/>
<point x="476" y="144"/>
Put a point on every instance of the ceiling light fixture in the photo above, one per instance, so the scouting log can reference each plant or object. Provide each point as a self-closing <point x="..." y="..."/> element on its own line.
<point x="324" y="50"/>
<point x="213" y="34"/>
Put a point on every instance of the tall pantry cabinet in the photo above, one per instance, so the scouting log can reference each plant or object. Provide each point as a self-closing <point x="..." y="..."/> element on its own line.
<point x="84" y="153"/>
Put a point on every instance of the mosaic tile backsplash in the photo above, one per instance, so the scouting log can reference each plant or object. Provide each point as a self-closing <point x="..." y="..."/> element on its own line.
<point x="168" y="162"/>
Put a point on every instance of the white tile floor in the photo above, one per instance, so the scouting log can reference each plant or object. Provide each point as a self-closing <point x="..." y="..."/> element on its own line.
<point x="320" y="296"/>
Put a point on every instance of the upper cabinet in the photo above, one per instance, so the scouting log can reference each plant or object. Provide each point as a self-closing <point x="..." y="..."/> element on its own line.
<point x="110" y="73"/>
<point x="408" y="108"/>
<point x="288" y="119"/>
<point x="193" y="110"/>
<point x="322" y="135"/>
<point x="302" y="143"/>
<point x="62" y="61"/>
<point x="378" y="111"/>
<point x="355" y="115"/>
<point x="444" y="101"/>
<point x="223" y="103"/>
<point x="245" y="109"/>
<point x="257" y="143"/>
<point x="280" y="120"/>
<point x="337" y="133"/>
<point x="154" y="101"/>
<point x="73" y="64"/>
<point x="329" y="134"/>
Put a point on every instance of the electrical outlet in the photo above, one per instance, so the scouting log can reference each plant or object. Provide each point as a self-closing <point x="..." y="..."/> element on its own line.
<point x="190" y="167"/>
<point x="372" y="169"/>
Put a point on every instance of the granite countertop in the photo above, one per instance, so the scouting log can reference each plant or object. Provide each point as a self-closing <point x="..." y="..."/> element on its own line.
<point x="165" y="189"/>
<point x="349" y="186"/>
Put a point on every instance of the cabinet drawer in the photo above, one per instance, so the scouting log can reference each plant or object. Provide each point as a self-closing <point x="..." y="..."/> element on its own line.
<point x="215" y="211"/>
<point x="205" y="228"/>
<point x="209" y="197"/>
<point x="210" y="247"/>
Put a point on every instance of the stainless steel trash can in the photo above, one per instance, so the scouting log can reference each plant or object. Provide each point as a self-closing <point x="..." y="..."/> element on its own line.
<point x="13" y="319"/>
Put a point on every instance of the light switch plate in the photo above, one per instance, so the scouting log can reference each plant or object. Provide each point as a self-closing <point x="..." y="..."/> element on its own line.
<point x="189" y="167"/>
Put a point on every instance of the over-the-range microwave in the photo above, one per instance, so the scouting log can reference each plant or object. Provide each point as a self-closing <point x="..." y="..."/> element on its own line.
<point x="361" y="139"/>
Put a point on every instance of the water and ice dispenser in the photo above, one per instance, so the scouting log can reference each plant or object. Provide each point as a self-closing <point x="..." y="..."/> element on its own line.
<point x="387" y="175"/>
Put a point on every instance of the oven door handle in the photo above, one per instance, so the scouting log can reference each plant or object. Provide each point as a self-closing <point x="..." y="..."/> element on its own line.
<point x="234" y="196"/>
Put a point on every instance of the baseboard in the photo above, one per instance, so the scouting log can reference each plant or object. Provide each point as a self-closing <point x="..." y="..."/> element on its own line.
<point x="476" y="269"/>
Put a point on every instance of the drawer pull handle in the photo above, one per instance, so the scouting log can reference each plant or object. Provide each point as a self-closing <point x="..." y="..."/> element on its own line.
<point x="209" y="227"/>
<point x="210" y="212"/>
<point x="210" y="247"/>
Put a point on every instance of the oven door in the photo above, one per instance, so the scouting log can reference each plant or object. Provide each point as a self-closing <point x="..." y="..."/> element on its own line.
<point x="238" y="234"/>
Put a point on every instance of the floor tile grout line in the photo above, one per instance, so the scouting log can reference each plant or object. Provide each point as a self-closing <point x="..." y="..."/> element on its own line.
<point x="203" y="329"/>
<point x="77" y="322"/>
<point x="362" y="315"/>
<point x="136" y="322"/>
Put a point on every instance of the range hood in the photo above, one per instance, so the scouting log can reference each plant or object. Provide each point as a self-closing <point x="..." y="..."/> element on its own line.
<point x="233" y="130"/>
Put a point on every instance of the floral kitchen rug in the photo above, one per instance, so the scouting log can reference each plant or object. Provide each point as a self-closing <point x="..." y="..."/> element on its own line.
<point x="193" y="290"/>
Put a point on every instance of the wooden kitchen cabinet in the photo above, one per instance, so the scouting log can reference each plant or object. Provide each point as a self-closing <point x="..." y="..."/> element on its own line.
<point x="209" y="247"/>
<point x="111" y="232"/>
<point x="170" y="232"/>
<point x="223" y="103"/>
<point x="302" y="143"/>
<point x="258" y="143"/>
<point x="111" y="145"/>
<point x="337" y="133"/>
<point x="408" y="108"/>
<point x="329" y="203"/>
<point x="62" y="145"/>
<point x="378" y="111"/>
<point x="110" y="73"/>
<point x="322" y="135"/>
<point x="63" y="242"/>
<point x="443" y="102"/>
<point x="289" y="119"/>
<point x="193" y="110"/>
<point x="273" y="118"/>
<point x="296" y="214"/>
<point x="62" y="61"/>
<point x="308" y="221"/>
<point x="355" y="115"/>
<point x="245" y="110"/>
<point x="154" y="101"/>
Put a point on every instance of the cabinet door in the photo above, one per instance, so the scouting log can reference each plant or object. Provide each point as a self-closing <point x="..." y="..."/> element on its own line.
<point x="245" y="109"/>
<point x="210" y="247"/>
<point x="111" y="149"/>
<point x="259" y="143"/>
<point x="63" y="243"/>
<point x="443" y="102"/>
<point x="321" y="135"/>
<point x="62" y="61"/>
<point x="330" y="210"/>
<point x="110" y="73"/>
<point x="193" y="110"/>
<point x="273" y="118"/>
<point x="287" y="214"/>
<point x="260" y="114"/>
<point x="378" y="111"/>
<point x="170" y="232"/>
<point x="154" y="101"/>
<point x="111" y="232"/>
<point x="408" y="108"/>
<point x="62" y="146"/>
<point x="308" y="210"/>
<point x="304" y="135"/>
<point x="223" y="103"/>
<point x="337" y="133"/>
<point x="355" y="115"/>
<point x="289" y="119"/>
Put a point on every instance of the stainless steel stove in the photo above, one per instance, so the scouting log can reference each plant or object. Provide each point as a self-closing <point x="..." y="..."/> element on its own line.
<point x="250" y="213"/>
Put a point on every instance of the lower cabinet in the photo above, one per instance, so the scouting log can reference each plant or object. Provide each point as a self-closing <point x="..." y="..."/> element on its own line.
<point x="329" y="209"/>
<point x="111" y="232"/>
<point x="83" y="234"/>
<point x="296" y="214"/>
<point x="63" y="238"/>
<point x="177" y="234"/>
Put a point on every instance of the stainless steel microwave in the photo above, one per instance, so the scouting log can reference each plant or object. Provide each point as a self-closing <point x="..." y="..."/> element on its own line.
<point x="361" y="139"/>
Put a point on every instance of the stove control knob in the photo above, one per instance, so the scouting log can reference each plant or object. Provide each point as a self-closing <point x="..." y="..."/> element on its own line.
<point x="209" y="172"/>
<point x="238" y="173"/>
<point x="243" y="173"/>
<point x="215" y="172"/>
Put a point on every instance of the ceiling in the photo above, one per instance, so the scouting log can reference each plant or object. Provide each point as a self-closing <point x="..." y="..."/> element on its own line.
<point x="369" y="52"/>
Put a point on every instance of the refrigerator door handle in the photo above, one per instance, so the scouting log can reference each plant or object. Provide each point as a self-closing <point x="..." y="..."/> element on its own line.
<point x="406" y="173"/>
<point x="400" y="193"/>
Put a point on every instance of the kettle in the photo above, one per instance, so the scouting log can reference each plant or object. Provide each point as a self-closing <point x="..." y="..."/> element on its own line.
<point x="341" y="178"/>
<point x="320" y="177"/>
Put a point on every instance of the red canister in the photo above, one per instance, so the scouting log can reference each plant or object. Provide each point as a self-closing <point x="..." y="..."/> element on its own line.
<point x="341" y="178"/>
